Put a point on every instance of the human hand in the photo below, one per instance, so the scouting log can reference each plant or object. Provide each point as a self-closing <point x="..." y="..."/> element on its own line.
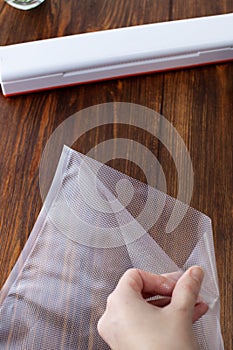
<point x="130" y="322"/>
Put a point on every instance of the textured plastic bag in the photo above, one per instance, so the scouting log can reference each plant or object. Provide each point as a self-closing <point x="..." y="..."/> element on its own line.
<point x="94" y="225"/>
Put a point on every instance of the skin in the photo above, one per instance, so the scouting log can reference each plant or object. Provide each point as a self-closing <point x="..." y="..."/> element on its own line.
<point x="131" y="322"/>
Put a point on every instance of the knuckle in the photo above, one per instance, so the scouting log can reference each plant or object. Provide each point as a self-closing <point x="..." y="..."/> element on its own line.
<point x="132" y="278"/>
<point x="131" y="272"/>
<point x="189" y="293"/>
<point x="101" y="326"/>
<point x="110" y="300"/>
<point x="183" y="309"/>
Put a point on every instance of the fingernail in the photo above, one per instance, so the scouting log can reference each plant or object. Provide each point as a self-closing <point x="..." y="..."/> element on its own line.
<point x="197" y="273"/>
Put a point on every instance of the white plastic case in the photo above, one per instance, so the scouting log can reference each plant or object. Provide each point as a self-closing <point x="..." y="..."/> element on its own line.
<point x="113" y="53"/>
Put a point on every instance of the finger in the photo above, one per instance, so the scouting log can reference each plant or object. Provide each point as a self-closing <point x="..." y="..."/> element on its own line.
<point x="199" y="310"/>
<point x="138" y="282"/>
<point x="186" y="291"/>
<point x="151" y="295"/>
<point x="160" y="302"/>
<point x="173" y="276"/>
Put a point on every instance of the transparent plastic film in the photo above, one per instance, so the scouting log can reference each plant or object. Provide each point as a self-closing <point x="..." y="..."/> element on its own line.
<point x="95" y="224"/>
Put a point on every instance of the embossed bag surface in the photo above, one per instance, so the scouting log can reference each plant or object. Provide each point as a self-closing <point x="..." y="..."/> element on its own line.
<point x="95" y="224"/>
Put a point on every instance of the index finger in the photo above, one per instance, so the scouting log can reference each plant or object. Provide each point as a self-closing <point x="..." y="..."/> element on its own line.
<point x="140" y="283"/>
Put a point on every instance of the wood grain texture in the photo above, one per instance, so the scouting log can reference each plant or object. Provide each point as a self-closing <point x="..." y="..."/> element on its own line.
<point x="198" y="102"/>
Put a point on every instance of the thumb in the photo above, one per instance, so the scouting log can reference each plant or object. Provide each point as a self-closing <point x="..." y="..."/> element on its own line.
<point x="186" y="291"/>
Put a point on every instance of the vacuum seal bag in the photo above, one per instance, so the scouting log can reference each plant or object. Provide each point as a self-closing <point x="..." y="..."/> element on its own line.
<point x="95" y="224"/>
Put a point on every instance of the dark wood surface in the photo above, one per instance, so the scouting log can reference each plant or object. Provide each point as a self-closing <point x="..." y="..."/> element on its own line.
<point x="197" y="101"/>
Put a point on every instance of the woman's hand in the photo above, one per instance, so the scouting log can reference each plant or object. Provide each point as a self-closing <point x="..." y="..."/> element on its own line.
<point x="130" y="322"/>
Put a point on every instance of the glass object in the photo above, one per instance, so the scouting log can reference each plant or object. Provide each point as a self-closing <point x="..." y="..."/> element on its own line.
<point x="24" y="4"/>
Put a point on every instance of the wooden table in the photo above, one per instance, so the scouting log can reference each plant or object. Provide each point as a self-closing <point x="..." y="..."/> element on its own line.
<point x="197" y="101"/>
